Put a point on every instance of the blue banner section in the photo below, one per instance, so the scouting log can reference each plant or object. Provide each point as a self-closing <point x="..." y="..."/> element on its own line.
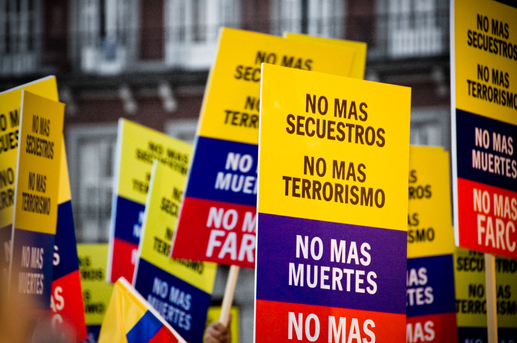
<point x="479" y="335"/>
<point x="430" y="286"/>
<point x="484" y="150"/>
<point x="93" y="333"/>
<point x="331" y="264"/>
<point x="32" y="266"/>
<point x="128" y="221"/>
<point x="224" y="171"/>
<point x="182" y="305"/>
<point x="66" y="260"/>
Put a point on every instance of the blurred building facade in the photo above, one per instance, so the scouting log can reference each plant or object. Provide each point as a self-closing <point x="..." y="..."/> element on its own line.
<point x="148" y="61"/>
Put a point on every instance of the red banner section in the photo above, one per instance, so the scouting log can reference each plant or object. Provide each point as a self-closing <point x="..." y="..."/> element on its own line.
<point x="125" y="252"/>
<point x="68" y="312"/>
<point x="433" y="328"/>
<point x="488" y="218"/>
<point x="220" y="232"/>
<point x="280" y="322"/>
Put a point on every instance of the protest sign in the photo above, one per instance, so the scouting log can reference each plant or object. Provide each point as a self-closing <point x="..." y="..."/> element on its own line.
<point x="217" y="221"/>
<point x="137" y="148"/>
<point x="97" y="291"/>
<point x="10" y="102"/>
<point x="471" y="303"/>
<point x="332" y="208"/>
<point x="36" y="198"/>
<point x="431" y="315"/>
<point x="66" y="302"/>
<point x="180" y="290"/>
<point x="484" y="108"/>
<point x="359" y="63"/>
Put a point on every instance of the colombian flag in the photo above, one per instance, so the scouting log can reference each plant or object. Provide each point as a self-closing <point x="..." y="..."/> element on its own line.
<point x="130" y="319"/>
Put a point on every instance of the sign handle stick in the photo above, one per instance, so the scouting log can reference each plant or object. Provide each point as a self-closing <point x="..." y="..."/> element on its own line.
<point x="224" y="318"/>
<point x="491" y="302"/>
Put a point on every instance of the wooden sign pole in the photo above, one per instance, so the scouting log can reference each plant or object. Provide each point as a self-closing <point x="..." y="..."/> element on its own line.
<point x="491" y="298"/>
<point x="224" y="318"/>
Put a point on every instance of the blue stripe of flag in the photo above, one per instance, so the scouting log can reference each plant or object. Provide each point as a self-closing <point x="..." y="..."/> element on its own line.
<point x="145" y="329"/>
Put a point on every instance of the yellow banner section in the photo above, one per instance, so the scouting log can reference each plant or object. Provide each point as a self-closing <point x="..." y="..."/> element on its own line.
<point x="430" y="230"/>
<point x="469" y="279"/>
<point x="214" y="312"/>
<point x="93" y="259"/>
<point x="64" y="181"/>
<point x="39" y="163"/>
<point x="315" y="117"/>
<point x="359" y="48"/>
<point x="486" y="59"/>
<point x="231" y="104"/>
<point x="138" y="146"/>
<point x="10" y="102"/>
<point x="162" y="209"/>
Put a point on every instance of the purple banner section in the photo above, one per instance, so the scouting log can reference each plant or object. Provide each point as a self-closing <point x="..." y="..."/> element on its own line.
<point x="430" y="286"/>
<point x="224" y="171"/>
<point x="65" y="242"/>
<point x="181" y="304"/>
<point x="485" y="150"/>
<point x="331" y="264"/>
<point x="32" y="266"/>
<point x="128" y="215"/>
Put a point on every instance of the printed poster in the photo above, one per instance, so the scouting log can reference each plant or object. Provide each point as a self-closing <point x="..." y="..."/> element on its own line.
<point x="97" y="291"/>
<point x="66" y="302"/>
<point x="137" y="148"/>
<point x="469" y="273"/>
<point x="332" y="208"/>
<point x="180" y="290"/>
<point x="484" y="108"/>
<point x="36" y="198"/>
<point x="359" y="62"/>
<point x="10" y="102"/>
<point x="430" y="301"/>
<point x="218" y="217"/>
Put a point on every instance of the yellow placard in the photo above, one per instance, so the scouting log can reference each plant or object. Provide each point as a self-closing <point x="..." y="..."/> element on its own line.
<point x="97" y="291"/>
<point x="162" y="209"/>
<point x="10" y="102"/>
<point x="341" y="148"/>
<point x="485" y="65"/>
<point x="64" y="180"/>
<point x="430" y="231"/>
<point x="213" y="315"/>
<point x="231" y="105"/>
<point x="359" y="63"/>
<point x="469" y="276"/>
<point x="138" y="147"/>
<point x="39" y="164"/>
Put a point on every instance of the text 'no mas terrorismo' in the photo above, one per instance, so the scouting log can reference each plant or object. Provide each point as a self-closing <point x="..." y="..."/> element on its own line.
<point x="334" y="191"/>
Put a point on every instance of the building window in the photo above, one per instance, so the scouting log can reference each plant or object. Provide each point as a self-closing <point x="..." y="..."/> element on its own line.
<point x="323" y="18"/>
<point x="414" y="28"/>
<point x="286" y="16"/>
<point x="184" y="129"/>
<point x="192" y="29"/>
<point x="91" y="152"/>
<point x="103" y="35"/>
<point x="20" y="40"/>
<point x="430" y="126"/>
<point x="326" y="18"/>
